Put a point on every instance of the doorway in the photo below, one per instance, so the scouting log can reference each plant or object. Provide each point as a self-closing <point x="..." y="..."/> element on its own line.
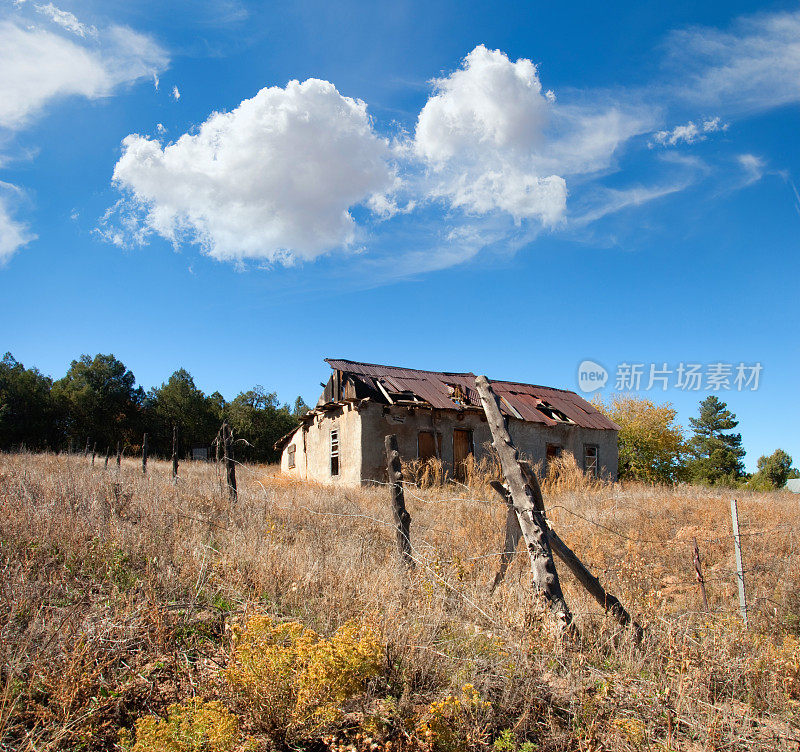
<point x="462" y="448"/>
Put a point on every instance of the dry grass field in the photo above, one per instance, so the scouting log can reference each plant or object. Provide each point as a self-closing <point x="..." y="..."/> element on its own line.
<point x="140" y="614"/>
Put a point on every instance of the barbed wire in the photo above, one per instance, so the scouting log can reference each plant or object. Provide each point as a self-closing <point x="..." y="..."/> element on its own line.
<point x="423" y="556"/>
<point x="408" y="486"/>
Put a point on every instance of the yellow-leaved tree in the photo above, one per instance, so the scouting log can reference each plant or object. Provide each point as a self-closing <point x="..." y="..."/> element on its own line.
<point x="651" y="444"/>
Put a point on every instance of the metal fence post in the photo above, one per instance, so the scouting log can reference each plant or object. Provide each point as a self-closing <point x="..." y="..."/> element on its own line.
<point x="739" y="568"/>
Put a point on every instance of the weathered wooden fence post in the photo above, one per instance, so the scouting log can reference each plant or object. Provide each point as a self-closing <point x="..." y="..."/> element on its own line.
<point x="230" y="464"/>
<point x="531" y="521"/>
<point x="144" y="455"/>
<point x="513" y="534"/>
<point x="739" y="568"/>
<point x="175" y="453"/>
<point x="119" y="456"/>
<point x="86" y="448"/>
<point x="591" y="584"/>
<point x="108" y="455"/>
<point x="94" y="452"/>
<point x="698" y="573"/>
<point x="402" y="519"/>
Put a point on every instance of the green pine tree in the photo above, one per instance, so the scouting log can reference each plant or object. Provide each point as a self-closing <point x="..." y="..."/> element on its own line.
<point x="716" y="454"/>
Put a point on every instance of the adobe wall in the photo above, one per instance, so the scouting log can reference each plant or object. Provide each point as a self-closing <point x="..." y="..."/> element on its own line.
<point x="531" y="439"/>
<point x="312" y="448"/>
<point x="378" y="421"/>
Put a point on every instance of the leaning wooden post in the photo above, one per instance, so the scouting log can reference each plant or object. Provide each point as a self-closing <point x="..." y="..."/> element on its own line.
<point x="86" y="448"/>
<point x="591" y="584"/>
<point x="119" y="456"/>
<point x="108" y="455"/>
<point x="739" y="568"/>
<point x="513" y="534"/>
<point x="94" y="452"/>
<point x="402" y="519"/>
<point x="531" y="520"/>
<point x="144" y="455"/>
<point x="609" y="602"/>
<point x="230" y="464"/>
<point x="175" y="453"/>
<point x="698" y="573"/>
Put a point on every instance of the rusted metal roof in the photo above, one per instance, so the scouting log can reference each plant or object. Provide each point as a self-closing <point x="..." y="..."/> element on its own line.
<point x="456" y="391"/>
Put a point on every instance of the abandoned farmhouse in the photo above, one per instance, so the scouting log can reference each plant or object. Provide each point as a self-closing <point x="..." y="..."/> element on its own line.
<point x="436" y="414"/>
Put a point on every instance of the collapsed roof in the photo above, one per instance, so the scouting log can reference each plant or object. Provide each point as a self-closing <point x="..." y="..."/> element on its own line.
<point x="456" y="391"/>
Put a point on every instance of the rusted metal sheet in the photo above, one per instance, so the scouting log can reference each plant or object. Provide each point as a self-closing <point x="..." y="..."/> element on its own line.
<point x="525" y="405"/>
<point x="437" y="389"/>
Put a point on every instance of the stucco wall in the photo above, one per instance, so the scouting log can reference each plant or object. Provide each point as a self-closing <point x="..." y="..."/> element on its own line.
<point x="362" y="430"/>
<point x="531" y="439"/>
<point x="313" y="443"/>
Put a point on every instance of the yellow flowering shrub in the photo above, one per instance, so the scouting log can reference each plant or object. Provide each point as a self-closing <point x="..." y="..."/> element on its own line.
<point x="191" y="726"/>
<point x="456" y="723"/>
<point x="293" y="681"/>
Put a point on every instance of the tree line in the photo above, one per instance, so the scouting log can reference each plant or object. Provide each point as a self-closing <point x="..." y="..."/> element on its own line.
<point x="653" y="448"/>
<point x="98" y="402"/>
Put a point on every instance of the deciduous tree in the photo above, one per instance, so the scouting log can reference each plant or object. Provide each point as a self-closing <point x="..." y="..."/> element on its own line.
<point x="651" y="444"/>
<point x="773" y="471"/>
<point x="257" y="417"/>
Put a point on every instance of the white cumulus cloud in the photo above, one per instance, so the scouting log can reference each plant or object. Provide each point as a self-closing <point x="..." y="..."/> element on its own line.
<point x="39" y="66"/>
<point x="176" y="95"/>
<point x="273" y="179"/>
<point x="689" y="133"/>
<point x="493" y="140"/>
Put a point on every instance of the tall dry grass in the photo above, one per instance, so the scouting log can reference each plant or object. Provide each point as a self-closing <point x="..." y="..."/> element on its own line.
<point x="120" y="595"/>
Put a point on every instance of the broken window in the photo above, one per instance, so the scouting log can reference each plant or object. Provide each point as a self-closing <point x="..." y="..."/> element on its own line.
<point x="425" y="446"/>
<point x="590" y="460"/>
<point x="553" y="412"/>
<point x="334" y="451"/>
<point x="290" y="455"/>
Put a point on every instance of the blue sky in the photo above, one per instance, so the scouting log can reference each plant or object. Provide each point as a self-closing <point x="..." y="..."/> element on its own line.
<point x="244" y="189"/>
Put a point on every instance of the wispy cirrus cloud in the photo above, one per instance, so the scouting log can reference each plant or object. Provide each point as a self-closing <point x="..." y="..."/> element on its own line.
<point x="66" y="20"/>
<point x="14" y="234"/>
<point x="40" y="66"/>
<point x="753" y="167"/>
<point x="754" y="65"/>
